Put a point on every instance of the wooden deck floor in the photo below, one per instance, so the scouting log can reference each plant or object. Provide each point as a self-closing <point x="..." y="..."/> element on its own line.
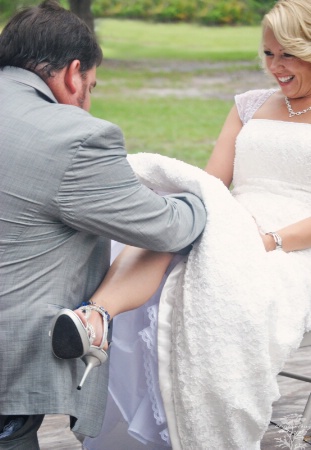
<point x="292" y="402"/>
<point x="55" y="433"/>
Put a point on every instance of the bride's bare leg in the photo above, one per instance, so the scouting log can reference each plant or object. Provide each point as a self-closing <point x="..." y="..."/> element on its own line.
<point x="131" y="280"/>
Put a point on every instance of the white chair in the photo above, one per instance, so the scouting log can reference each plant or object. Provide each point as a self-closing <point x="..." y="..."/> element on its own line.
<point x="306" y="416"/>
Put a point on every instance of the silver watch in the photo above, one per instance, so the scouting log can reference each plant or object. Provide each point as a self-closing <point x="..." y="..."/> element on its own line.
<point x="277" y="239"/>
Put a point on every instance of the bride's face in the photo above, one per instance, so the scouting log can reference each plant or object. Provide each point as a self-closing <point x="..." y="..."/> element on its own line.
<point x="292" y="74"/>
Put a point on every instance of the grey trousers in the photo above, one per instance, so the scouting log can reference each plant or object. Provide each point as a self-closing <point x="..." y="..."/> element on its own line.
<point x="24" y="438"/>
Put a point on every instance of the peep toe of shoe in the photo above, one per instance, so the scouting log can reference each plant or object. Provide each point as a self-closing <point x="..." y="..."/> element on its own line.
<point x="71" y="338"/>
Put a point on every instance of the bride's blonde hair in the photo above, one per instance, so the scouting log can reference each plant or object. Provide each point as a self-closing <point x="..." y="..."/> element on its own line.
<point x="290" y="21"/>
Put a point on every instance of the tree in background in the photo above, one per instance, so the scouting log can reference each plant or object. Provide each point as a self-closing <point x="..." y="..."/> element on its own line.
<point x="81" y="8"/>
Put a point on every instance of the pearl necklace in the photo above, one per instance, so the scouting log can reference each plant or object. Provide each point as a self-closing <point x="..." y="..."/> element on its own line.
<point x="293" y="113"/>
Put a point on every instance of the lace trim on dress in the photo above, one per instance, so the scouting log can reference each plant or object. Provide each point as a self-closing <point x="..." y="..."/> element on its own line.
<point x="165" y="436"/>
<point x="249" y="102"/>
<point x="149" y="334"/>
<point x="149" y="337"/>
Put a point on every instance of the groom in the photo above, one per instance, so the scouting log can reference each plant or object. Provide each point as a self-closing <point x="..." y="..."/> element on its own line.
<point x="66" y="189"/>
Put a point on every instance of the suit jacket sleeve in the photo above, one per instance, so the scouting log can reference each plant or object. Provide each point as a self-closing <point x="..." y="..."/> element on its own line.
<point x="101" y="195"/>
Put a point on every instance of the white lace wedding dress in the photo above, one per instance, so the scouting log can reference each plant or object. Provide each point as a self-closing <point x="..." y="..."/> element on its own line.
<point x="230" y="315"/>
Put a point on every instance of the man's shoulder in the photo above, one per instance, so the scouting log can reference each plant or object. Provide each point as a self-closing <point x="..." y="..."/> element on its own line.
<point x="36" y="100"/>
<point x="81" y="123"/>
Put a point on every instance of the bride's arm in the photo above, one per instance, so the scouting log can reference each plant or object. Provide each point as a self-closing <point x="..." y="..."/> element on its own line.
<point x="296" y="236"/>
<point x="221" y="161"/>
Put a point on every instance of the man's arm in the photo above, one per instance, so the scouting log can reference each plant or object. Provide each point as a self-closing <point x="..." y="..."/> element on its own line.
<point x="100" y="194"/>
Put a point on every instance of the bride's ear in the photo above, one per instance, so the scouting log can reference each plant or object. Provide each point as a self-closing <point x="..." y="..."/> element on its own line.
<point x="73" y="78"/>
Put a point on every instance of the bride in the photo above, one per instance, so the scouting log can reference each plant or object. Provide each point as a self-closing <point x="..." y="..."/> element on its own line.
<point x="232" y="311"/>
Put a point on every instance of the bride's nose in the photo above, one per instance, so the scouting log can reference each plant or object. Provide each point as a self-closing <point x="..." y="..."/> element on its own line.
<point x="276" y="62"/>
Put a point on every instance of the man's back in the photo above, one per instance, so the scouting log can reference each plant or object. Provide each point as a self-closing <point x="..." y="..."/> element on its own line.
<point x="45" y="264"/>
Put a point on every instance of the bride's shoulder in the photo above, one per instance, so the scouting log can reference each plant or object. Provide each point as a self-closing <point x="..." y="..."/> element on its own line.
<point x="255" y="94"/>
<point x="248" y="102"/>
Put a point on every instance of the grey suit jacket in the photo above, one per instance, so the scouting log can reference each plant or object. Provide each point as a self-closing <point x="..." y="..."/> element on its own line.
<point x="66" y="189"/>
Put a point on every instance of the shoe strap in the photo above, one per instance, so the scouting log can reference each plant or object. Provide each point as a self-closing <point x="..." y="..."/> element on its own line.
<point x="88" y="326"/>
<point x="106" y="318"/>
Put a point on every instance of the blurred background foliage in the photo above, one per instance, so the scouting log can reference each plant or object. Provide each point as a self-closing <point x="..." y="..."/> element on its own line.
<point x="206" y="12"/>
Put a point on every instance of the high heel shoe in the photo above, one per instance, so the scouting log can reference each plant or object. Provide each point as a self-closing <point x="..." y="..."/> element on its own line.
<point x="72" y="339"/>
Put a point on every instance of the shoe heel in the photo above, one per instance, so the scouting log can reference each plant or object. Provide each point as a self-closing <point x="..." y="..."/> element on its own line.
<point x="90" y="361"/>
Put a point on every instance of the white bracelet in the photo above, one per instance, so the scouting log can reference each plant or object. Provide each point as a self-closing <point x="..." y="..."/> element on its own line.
<point x="277" y="239"/>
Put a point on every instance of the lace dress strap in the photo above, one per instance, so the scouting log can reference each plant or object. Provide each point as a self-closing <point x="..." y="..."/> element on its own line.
<point x="248" y="102"/>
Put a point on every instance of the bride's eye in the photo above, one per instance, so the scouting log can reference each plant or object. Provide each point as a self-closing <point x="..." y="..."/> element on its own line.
<point x="288" y="55"/>
<point x="268" y="53"/>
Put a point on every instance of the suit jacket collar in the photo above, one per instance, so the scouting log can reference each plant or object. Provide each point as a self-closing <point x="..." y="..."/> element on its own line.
<point x="28" y="78"/>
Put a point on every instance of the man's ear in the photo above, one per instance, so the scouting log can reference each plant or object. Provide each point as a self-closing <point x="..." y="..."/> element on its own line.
<point x="73" y="76"/>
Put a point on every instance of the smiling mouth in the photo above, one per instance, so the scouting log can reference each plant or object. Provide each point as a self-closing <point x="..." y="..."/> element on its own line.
<point x="285" y="79"/>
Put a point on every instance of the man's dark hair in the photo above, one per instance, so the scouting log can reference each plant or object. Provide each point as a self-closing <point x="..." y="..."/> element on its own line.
<point x="46" y="38"/>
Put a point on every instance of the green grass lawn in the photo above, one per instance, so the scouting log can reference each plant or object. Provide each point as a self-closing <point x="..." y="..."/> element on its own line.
<point x="168" y="57"/>
<point x="181" y="128"/>
<point x="128" y="39"/>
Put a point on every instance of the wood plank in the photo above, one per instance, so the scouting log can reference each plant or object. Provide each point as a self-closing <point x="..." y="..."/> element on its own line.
<point x="294" y="395"/>
<point x="55" y="434"/>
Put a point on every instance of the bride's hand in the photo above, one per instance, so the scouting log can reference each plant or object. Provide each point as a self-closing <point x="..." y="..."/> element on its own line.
<point x="267" y="239"/>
